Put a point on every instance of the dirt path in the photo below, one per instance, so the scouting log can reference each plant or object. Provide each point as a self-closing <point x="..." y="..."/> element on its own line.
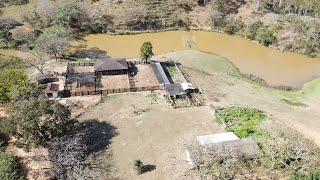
<point x="153" y="133"/>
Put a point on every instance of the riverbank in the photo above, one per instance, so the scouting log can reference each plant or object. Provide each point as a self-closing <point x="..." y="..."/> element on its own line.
<point x="224" y="86"/>
<point x="265" y="65"/>
<point x="277" y="68"/>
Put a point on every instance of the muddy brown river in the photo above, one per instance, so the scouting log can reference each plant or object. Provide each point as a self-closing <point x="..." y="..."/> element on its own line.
<point x="274" y="66"/>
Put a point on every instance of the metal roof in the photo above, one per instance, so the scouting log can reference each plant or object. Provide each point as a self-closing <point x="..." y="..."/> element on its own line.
<point x="110" y="65"/>
<point x="217" y="138"/>
<point x="186" y="86"/>
<point x="174" y="89"/>
<point x="159" y="72"/>
<point x="82" y="78"/>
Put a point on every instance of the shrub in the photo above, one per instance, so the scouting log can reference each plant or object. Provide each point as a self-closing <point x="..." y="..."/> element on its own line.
<point x="265" y="36"/>
<point x="9" y="167"/>
<point x="138" y="167"/>
<point x="250" y="32"/>
<point x="37" y="128"/>
<point x="242" y="121"/>
<point x="311" y="176"/>
<point x="12" y="80"/>
<point x="286" y="149"/>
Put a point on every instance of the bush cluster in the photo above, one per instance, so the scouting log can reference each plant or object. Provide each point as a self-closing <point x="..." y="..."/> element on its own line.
<point x="241" y="120"/>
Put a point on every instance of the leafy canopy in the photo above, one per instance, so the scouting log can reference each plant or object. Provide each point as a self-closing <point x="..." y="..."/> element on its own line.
<point x="146" y="51"/>
<point x="266" y="36"/>
<point x="9" y="168"/>
<point x="12" y="81"/>
<point x="138" y="167"/>
<point x="68" y="15"/>
<point x="53" y="41"/>
<point x="36" y="121"/>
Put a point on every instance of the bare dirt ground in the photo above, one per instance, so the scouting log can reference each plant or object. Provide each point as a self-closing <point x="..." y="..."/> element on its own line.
<point x="223" y="86"/>
<point x="153" y="133"/>
<point x="115" y="82"/>
<point x="36" y="162"/>
<point x="80" y="104"/>
<point x="82" y="69"/>
<point x="3" y="112"/>
<point x="145" y="76"/>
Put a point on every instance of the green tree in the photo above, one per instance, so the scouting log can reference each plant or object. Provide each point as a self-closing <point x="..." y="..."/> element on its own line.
<point x="265" y="36"/>
<point x="9" y="167"/>
<point x="146" y="51"/>
<point x="69" y="15"/>
<point x="11" y="80"/>
<point x="36" y="121"/>
<point x="53" y="41"/>
<point x="138" y="166"/>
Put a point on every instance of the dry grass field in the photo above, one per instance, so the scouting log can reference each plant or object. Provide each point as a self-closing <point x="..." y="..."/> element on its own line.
<point x="145" y="76"/>
<point x="153" y="133"/>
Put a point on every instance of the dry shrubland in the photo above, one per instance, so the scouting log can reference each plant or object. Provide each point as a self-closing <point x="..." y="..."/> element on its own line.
<point x="283" y="151"/>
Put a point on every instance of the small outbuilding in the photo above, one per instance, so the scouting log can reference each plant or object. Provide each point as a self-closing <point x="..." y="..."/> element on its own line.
<point x="175" y="91"/>
<point x="223" y="145"/>
<point x="188" y="88"/>
<point x="111" y="67"/>
<point x="52" y="90"/>
<point x="45" y="79"/>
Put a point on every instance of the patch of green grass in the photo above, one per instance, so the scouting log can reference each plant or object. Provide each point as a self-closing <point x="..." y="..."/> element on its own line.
<point x="309" y="176"/>
<point x="242" y="121"/>
<point x="171" y="69"/>
<point x="312" y="87"/>
<point x="294" y="103"/>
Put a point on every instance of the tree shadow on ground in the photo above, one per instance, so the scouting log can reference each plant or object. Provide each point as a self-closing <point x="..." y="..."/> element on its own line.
<point x="149" y="167"/>
<point x="133" y="69"/>
<point x="93" y="53"/>
<point x="83" y="152"/>
<point x="96" y="135"/>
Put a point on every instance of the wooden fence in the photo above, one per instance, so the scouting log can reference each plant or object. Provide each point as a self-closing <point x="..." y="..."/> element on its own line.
<point x="70" y="92"/>
<point x="80" y="64"/>
<point x="138" y="62"/>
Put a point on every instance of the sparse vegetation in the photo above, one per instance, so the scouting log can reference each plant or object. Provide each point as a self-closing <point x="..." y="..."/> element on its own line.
<point x="283" y="151"/>
<point x="294" y="103"/>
